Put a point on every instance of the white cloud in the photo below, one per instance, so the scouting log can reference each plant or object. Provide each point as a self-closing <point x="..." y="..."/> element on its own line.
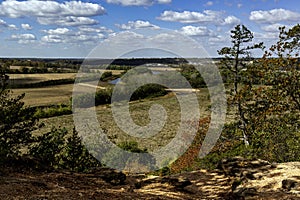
<point x="23" y="38"/>
<point x="231" y="20"/>
<point x="217" y="39"/>
<point x="100" y="29"/>
<point x="14" y="9"/>
<point x="12" y="27"/>
<point x="72" y="39"/>
<point x="239" y="5"/>
<point x="9" y="26"/>
<point x="209" y="3"/>
<point x="196" y="31"/>
<point x="188" y="17"/>
<point x="138" y="2"/>
<point x="164" y="1"/>
<point x="207" y="16"/>
<point x="71" y="13"/>
<point x="137" y="25"/>
<point x="68" y="21"/>
<point x="26" y="26"/>
<point x="58" y="31"/>
<point x="268" y="36"/>
<point x="124" y="36"/>
<point x="52" y="39"/>
<point x="2" y="22"/>
<point x="159" y="43"/>
<point x="274" y="16"/>
<point x="82" y="35"/>
<point x="274" y="27"/>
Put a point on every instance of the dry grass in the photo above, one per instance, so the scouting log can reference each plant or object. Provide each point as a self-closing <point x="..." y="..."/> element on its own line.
<point x="35" y="78"/>
<point x="139" y="113"/>
<point x="46" y="95"/>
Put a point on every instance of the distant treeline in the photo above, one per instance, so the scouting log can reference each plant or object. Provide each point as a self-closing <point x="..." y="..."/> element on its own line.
<point x="134" y="61"/>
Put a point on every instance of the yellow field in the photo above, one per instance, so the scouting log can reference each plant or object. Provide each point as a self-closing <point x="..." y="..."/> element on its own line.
<point x="47" y="95"/>
<point x="35" y="78"/>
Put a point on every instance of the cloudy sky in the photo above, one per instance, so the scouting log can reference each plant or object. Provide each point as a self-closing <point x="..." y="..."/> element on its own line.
<point x="39" y="28"/>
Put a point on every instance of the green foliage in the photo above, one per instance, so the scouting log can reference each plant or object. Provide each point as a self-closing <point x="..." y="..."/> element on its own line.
<point x="88" y="100"/>
<point x="106" y="76"/>
<point x="269" y="114"/>
<point x="234" y="61"/>
<point x="193" y="76"/>
<point x="104" y="96"/>
<point x="148" y="91"/>
<point x="131" y="146"/>
<point x="75" y="156"/>
<point x="16" y="122"/>
<point x="49" y="146"/>
<point x="53" y="111"/>
<point x="58" y="149"/>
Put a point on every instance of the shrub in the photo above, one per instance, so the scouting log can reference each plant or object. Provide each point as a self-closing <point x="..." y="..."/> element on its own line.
<point x="60" y="150"/>
<point x="48" y="147"/>
<point x="106" y="76"/>
<point x="16" y="123"/>
<point x="53" y="111"/>
<point x="123" y="161"/>
<point x="148" y="91"/>
<point x="75" y="156"/>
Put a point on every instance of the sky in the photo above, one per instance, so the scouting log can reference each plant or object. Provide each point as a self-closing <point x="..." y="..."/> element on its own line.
<point x="114" y="28"/>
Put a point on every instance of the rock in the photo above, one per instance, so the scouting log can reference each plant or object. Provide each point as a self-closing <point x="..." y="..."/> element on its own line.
<point x="175" y="182"/>
<point x="178" y="183"/>
<point x="243" y="168"/>
<point x="288" y="184"/>
<point x="245" y="192"/>
<point x="111" y="176"/>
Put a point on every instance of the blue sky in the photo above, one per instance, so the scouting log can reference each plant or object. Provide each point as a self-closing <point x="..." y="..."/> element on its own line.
<point x="74" y="28"/>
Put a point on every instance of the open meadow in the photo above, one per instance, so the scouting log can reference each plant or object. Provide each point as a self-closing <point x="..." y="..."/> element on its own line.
<point x="139" y="111"/>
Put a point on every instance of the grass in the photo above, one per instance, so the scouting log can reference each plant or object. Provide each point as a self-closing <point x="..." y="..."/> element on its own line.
<point x="139" y="110"/>
<point x="35" y="78"/>
<point x="47" y="95"/>
<point x="139" y="113"/>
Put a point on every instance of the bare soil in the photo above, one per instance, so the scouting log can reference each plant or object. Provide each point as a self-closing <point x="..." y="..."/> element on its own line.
<point x="26" y="184"/>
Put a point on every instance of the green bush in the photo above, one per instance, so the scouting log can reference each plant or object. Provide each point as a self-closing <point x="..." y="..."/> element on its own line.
<point x="16" y="124"/>
<point x="131" y="146"/>
<point x="60" y="150"/>
<point x="106" y="76"/>
<point x="104" y="96"/>
<point x="53" y="111"/>
<point x="48" y="147"/>
<point x="148" y="91"/>
<point x="75" y="156"/>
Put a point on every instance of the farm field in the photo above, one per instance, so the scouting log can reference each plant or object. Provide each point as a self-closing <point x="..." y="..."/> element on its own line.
<point x="35" y="78"/>
<point x="46" y="95"/>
